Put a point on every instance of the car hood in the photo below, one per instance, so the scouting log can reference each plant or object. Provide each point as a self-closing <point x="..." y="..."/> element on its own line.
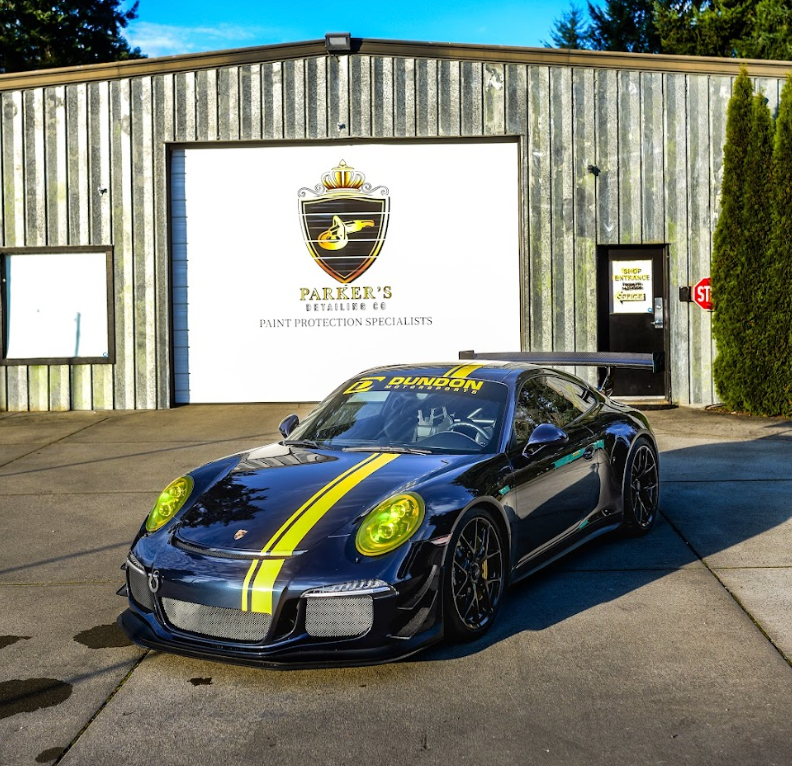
<point x="284" y="499"/>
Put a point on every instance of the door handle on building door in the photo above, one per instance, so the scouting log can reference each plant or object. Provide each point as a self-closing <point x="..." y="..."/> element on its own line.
<point x="659" y="320"/>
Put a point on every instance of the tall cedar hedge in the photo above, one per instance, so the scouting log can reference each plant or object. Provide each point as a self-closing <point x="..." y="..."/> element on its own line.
<point x="751" y="260"/>
<point x="754" y="256"/>
<point x="778" y="316"/>
<point x="728" y="270"/>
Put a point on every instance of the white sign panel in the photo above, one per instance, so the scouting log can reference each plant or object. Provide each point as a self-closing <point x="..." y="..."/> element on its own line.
<point x="57" y="305"/>
<point x="304" y="265"/>
<point x="631" y="287"/>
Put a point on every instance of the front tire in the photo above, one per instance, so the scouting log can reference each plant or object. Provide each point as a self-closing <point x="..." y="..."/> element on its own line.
<point x="641" y="489"/>
<point x="475" y="576"/>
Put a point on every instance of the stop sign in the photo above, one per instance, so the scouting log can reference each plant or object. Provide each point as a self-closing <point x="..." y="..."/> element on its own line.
<point x="702" y="294"/>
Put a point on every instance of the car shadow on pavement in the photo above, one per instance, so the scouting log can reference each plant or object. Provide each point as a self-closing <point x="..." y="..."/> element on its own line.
<point x="725" y="503"/>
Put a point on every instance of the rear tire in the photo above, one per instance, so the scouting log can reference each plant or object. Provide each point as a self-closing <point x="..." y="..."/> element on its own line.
<point x="475" y="578"/>
<point x="641" y="489"/>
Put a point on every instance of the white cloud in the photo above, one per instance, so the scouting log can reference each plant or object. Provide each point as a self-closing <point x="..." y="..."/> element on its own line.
<point x="169" y="40"/>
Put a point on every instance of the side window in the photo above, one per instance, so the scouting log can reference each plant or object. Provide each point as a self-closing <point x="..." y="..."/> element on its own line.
<point x="546" y="399"/>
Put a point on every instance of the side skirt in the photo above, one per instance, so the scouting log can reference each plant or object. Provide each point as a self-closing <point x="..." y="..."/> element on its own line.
<point x="517" y="575"/>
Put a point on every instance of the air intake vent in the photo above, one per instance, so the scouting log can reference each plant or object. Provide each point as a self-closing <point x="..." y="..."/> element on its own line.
<point x="339" y="616"/>
<point x="217" y="622"/>
<point x="138" y="586"/>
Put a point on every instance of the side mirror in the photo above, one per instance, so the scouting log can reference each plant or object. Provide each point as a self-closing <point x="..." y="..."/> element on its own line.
<point x="544" y="435"/>
<point x="288" y="424"/>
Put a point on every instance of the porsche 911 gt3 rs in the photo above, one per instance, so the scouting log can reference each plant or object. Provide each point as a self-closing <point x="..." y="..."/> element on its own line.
<point x="394" y="515"/>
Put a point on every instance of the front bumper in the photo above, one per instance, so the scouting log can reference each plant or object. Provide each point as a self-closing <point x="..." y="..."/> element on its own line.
<point x="303" y="631"/>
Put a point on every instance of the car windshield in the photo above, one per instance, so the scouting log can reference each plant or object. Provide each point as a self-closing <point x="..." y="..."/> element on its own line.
<point x="435" y="417"/>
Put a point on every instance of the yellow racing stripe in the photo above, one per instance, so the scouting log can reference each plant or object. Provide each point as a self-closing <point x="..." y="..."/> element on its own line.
<point x="263" y="573"/>
<point x="462" y="370"/>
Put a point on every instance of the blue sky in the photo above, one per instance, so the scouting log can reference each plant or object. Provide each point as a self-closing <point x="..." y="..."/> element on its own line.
<point x="169" y="27"/>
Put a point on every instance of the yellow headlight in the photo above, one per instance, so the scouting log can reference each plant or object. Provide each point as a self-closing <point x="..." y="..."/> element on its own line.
<point x="168" y="504"/>
<point x="390" y="524"/>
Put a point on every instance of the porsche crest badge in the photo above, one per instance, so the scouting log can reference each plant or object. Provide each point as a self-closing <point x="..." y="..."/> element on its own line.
<point x="344" y="222"/>
<point x="239" y="534"/>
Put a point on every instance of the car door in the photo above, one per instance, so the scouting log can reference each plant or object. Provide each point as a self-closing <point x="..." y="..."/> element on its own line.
<point x="555" y="489"/>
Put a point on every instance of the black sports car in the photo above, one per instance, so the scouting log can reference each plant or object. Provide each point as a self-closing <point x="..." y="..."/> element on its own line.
<point x="396" y="514"/>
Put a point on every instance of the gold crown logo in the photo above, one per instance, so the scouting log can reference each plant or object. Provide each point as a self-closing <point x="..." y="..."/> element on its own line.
<point x="343" y="177"/>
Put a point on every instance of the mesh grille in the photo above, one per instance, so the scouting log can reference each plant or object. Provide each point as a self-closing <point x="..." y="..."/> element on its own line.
<point x="138" y="587"/>
<point x="216" y="621"/>
<point x="339" y="616"/>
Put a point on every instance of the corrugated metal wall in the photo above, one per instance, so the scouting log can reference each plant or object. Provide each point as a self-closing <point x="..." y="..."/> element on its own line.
<point x="86" y="164"/>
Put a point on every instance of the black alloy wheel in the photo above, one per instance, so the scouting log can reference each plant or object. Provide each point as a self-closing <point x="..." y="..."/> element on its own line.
<point x="641" y="489"/>
<point x="475" y="578"/>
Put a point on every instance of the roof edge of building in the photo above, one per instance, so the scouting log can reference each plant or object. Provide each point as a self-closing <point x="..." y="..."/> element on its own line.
<point x="496" y="54"/>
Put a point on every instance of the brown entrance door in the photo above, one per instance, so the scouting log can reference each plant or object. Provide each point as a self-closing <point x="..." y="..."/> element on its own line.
<point x="632" y="302"/>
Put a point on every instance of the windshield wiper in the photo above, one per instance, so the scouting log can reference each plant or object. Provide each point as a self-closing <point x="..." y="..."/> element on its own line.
<point x="302" y="443"/>
<point x="399" y="450"/>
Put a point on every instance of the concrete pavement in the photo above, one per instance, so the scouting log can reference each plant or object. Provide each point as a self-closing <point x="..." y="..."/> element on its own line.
<point x="671" y="649"/>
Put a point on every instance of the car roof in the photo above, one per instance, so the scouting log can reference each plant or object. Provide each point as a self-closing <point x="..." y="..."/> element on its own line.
<point x="480" y="369"/>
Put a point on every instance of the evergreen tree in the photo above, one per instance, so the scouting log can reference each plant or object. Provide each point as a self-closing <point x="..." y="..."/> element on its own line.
<point x="754" y="255"/>
<point x="37" y="35"/>
<point x="703" y="27"/>
<point x="570" y="31"/>
<point x="778" y="296"/>
<point x="729" y="310"/>
<point x="624" y="25"/>
<point x="770" y="36"/>
<point x="729" y="28"/>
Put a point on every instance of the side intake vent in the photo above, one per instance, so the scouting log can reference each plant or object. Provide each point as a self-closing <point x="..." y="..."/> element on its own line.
<point x="137" y="582"/>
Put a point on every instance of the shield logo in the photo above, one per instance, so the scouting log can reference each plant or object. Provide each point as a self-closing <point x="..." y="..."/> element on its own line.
<point x="239" y="534"/>
<point x="344" y="222"/>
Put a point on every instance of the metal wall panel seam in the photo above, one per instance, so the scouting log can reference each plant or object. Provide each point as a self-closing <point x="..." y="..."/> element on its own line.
<point x="143" y="224"/>
<point x="316" y="98"/>
<point x="185" y="105"/>
<point x="426" y="98"/>
<point x="78" y="208"/>
<point x="675" y="185"/>
<point x="607" y="157"/>
<point x="630" y="176"/>
<point x="100" y="217"/>
<point x="584" y="211"/>
<point x="652" y="143"/>
<point x="494" y="100"/>
<point x="59" y="383"/>
<point x="540" y="234"/>
<point x="471" y="83"/>
<point x="35" y="180"/>
<point x="338" y="95"/>
<point x="700" y="192"/>
<point x="15" y="215"/>
<point x="516" y="106"/>
<point x="382" y="97"/>
<point x="404" y="97"/>
<point x="122" y="228"/>
<point x="562" y="207"/>
<point x="164" y="130"/>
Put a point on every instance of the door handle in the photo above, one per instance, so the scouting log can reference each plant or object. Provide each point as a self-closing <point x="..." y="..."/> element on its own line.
<point x="588" y="453"/>
<point x="659" y="320"/>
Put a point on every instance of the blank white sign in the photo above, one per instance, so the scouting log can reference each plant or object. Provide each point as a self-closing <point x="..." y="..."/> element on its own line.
<point x="56" y="305"/>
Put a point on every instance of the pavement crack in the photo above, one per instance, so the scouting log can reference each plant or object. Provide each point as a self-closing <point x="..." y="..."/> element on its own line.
<point x="101" y="708"/>
<point x="725" y="587"/>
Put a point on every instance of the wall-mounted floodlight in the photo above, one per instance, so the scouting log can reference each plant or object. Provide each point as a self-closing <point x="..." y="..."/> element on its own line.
<point x="338" y="42"/>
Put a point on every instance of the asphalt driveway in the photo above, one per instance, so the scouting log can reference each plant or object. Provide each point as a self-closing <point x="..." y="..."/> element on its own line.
<point x="672" y="649"/>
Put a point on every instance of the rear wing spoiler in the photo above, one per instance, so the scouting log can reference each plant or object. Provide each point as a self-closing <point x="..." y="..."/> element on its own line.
<point x="610" y="360"/>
